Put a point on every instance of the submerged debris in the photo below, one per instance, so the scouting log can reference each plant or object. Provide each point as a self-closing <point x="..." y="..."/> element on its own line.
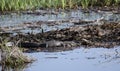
<point x="92" y="34"/>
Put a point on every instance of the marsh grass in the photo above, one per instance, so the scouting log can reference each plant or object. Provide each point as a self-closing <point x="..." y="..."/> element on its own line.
<point x="117" y="2"/>
<point x="8" y="5"/>
<point x="12" y="56"/>
<point x="85" y="3"/>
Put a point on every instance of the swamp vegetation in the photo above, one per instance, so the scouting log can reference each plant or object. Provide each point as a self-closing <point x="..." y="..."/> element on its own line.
<point x="12" y="55"/>
<point x="10" y="5"/>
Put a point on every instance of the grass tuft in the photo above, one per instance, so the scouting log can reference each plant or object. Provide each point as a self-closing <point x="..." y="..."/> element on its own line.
<point x="12" y="56"/>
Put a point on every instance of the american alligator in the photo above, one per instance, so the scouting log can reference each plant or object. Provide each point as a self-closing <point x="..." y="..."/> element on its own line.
<point x="46" y="44"/>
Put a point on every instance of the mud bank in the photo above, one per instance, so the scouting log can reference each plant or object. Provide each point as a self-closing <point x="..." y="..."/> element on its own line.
<point x="105" y="34"/>
<point x="62" y="30"/>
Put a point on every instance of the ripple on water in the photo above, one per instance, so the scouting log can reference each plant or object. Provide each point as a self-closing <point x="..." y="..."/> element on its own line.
<point x="101" y="59"/>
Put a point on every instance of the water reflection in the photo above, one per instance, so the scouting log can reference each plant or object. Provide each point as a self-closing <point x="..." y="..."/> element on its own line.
<point x="100" y="59"/>
<point x="15" y="19"/>
<point x="11" y="68"/>
<point x="85" y="59"/>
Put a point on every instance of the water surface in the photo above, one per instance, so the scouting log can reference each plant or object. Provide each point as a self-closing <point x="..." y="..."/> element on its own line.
<point x="82" y="59"/>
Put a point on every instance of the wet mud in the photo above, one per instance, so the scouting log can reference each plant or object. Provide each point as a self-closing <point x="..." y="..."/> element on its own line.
<point x="49" y="30"/>
<point x="106" y="34"/>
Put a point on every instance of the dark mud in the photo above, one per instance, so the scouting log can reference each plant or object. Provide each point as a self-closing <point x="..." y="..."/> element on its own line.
<point x="70" y="28"/>
<point x="106" y="34"/>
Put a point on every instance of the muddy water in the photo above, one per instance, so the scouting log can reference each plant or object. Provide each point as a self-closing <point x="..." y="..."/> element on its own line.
<point x="93" y="59"/>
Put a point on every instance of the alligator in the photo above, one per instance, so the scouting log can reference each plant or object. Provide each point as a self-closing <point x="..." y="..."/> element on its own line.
<point x="51" y="43"/>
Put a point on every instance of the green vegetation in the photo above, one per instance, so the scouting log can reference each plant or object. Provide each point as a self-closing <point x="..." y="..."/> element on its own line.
<point x="8" y="5"/>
